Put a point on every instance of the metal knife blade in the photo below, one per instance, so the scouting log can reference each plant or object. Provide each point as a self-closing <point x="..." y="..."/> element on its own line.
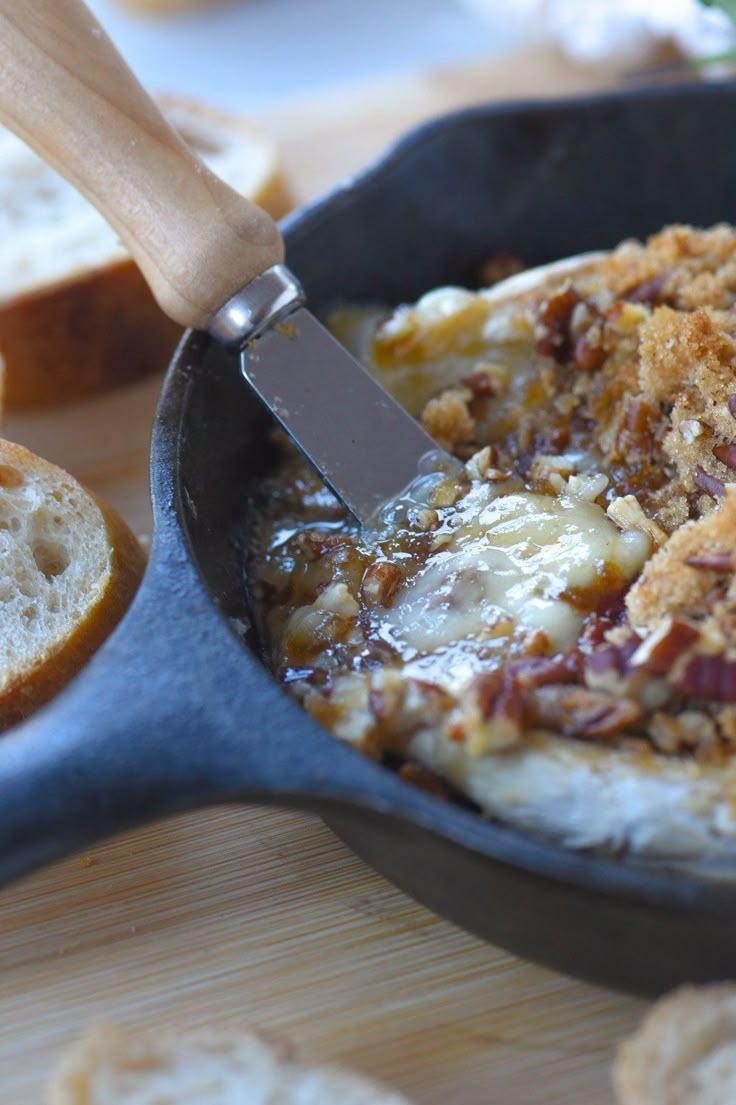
<point x="364" y="445"/>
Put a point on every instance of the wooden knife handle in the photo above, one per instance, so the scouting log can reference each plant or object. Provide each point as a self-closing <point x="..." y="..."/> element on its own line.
<point x="67" y="92"/>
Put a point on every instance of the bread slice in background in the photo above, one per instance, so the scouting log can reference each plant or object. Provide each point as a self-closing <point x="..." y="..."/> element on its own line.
<point x="114" y="1066"/>
<point x="684" y="1052"/>
<point x="69" y="567"/>
<point x="75" y="314"/>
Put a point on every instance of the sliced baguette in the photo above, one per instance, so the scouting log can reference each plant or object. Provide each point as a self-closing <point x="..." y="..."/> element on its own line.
<point x="685" y="1051"/>
<point x="69" y="567"/>
<point x="112" y="1066"/>
<point x="75" y="314"/>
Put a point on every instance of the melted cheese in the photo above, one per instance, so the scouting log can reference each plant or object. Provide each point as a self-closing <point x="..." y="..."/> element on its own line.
<point x="420" y="349"/>
<point x="507" y="564"/>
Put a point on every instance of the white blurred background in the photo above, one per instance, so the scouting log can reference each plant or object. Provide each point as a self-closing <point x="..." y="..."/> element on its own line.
<point x="254" y="53"/>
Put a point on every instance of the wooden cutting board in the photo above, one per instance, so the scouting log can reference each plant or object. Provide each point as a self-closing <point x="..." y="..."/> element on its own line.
<point x="259" y="916"/>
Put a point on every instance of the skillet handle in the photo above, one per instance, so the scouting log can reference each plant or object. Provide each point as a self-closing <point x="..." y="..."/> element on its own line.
<point x="170" y="714"/>
<point x="67" y="92"/>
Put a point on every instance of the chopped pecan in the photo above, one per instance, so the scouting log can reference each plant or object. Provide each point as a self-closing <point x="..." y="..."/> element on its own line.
<point x="648" y="291"/>
<point x="510" y="705"/>
<point x="588" y="355"/>
<point x="381" y="582"/>
<point x="481" y="461"/>
<point x="627" y="512"/>
<point x="658" y="652"/>
<point x="540" y="671"/>
<point x="712" y="561"/>
<point x="555" y="339"/>
<point x="709" y="484"/>
<point x="726" y="453"/>
<point x="708" y="676"/>
<point x="533" y="644"/>
<point x="638" y="416"/>
<point x="316" y="544"/>
<point x="424" y="519"/>
<point x="609" y="657"/>
<point x="691" y="729"/>
<point x="486" y="688"/>
<point x="690" y="429"/>
<point x="481" y="384"/>
<point x="625" y="316"/>
<point x="502" y="715"/>
<point x="552" y="438"/>
<point x="598" y="624"/>
<point x="580" y="712"/>
<point x="637" y="444"/>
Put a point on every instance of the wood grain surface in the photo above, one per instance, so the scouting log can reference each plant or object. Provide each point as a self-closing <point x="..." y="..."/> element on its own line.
<point x="262" y="917"/>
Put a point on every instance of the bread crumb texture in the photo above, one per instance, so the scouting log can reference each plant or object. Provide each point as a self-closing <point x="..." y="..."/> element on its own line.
<point x="684" y="1053"/>
<point x="69" y="568"/>
<point x="116" y="1066"/>
<point x="633" y="355"/>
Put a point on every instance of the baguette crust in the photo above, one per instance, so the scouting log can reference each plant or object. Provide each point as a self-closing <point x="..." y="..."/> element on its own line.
<point x="46" y="666"/>
<point x="99" y="327"/>
<point x="115" y="1066"/>
<point x="684" y="1053"/>
<point x="96" y="331"/>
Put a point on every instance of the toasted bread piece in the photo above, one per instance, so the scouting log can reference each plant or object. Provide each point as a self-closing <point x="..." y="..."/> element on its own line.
<point x="685" y="1051"/>
<point x="76" y="316"/>
<point x="113" y="1066"/>
<point x="69" y="567"/>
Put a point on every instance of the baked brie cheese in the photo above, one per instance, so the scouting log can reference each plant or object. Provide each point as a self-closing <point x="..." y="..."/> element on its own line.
<point x="550" y="636"/>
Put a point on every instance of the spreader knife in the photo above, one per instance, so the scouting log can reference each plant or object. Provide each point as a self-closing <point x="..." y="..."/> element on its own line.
<point x="213" y="260"/>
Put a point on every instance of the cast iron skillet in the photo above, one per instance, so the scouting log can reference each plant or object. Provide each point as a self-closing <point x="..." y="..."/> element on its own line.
<point x="176" y="711"/>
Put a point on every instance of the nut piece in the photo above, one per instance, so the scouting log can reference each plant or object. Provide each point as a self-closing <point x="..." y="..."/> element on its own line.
<point x="708" y="676"/>
<point x="707" y="483"/>
<point x="627" y="513"/>
<point x="581" y="712"/>
<point x="690" y="429"/>
<point x="588" y="487"/>
<point x="712" y="561"/>
<point x="381" y="582"/>
<point x="481" y="461"/>
<point x="662" y="648"/>
<point x="337" y="600"/>
<point x="726" y="453"/>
